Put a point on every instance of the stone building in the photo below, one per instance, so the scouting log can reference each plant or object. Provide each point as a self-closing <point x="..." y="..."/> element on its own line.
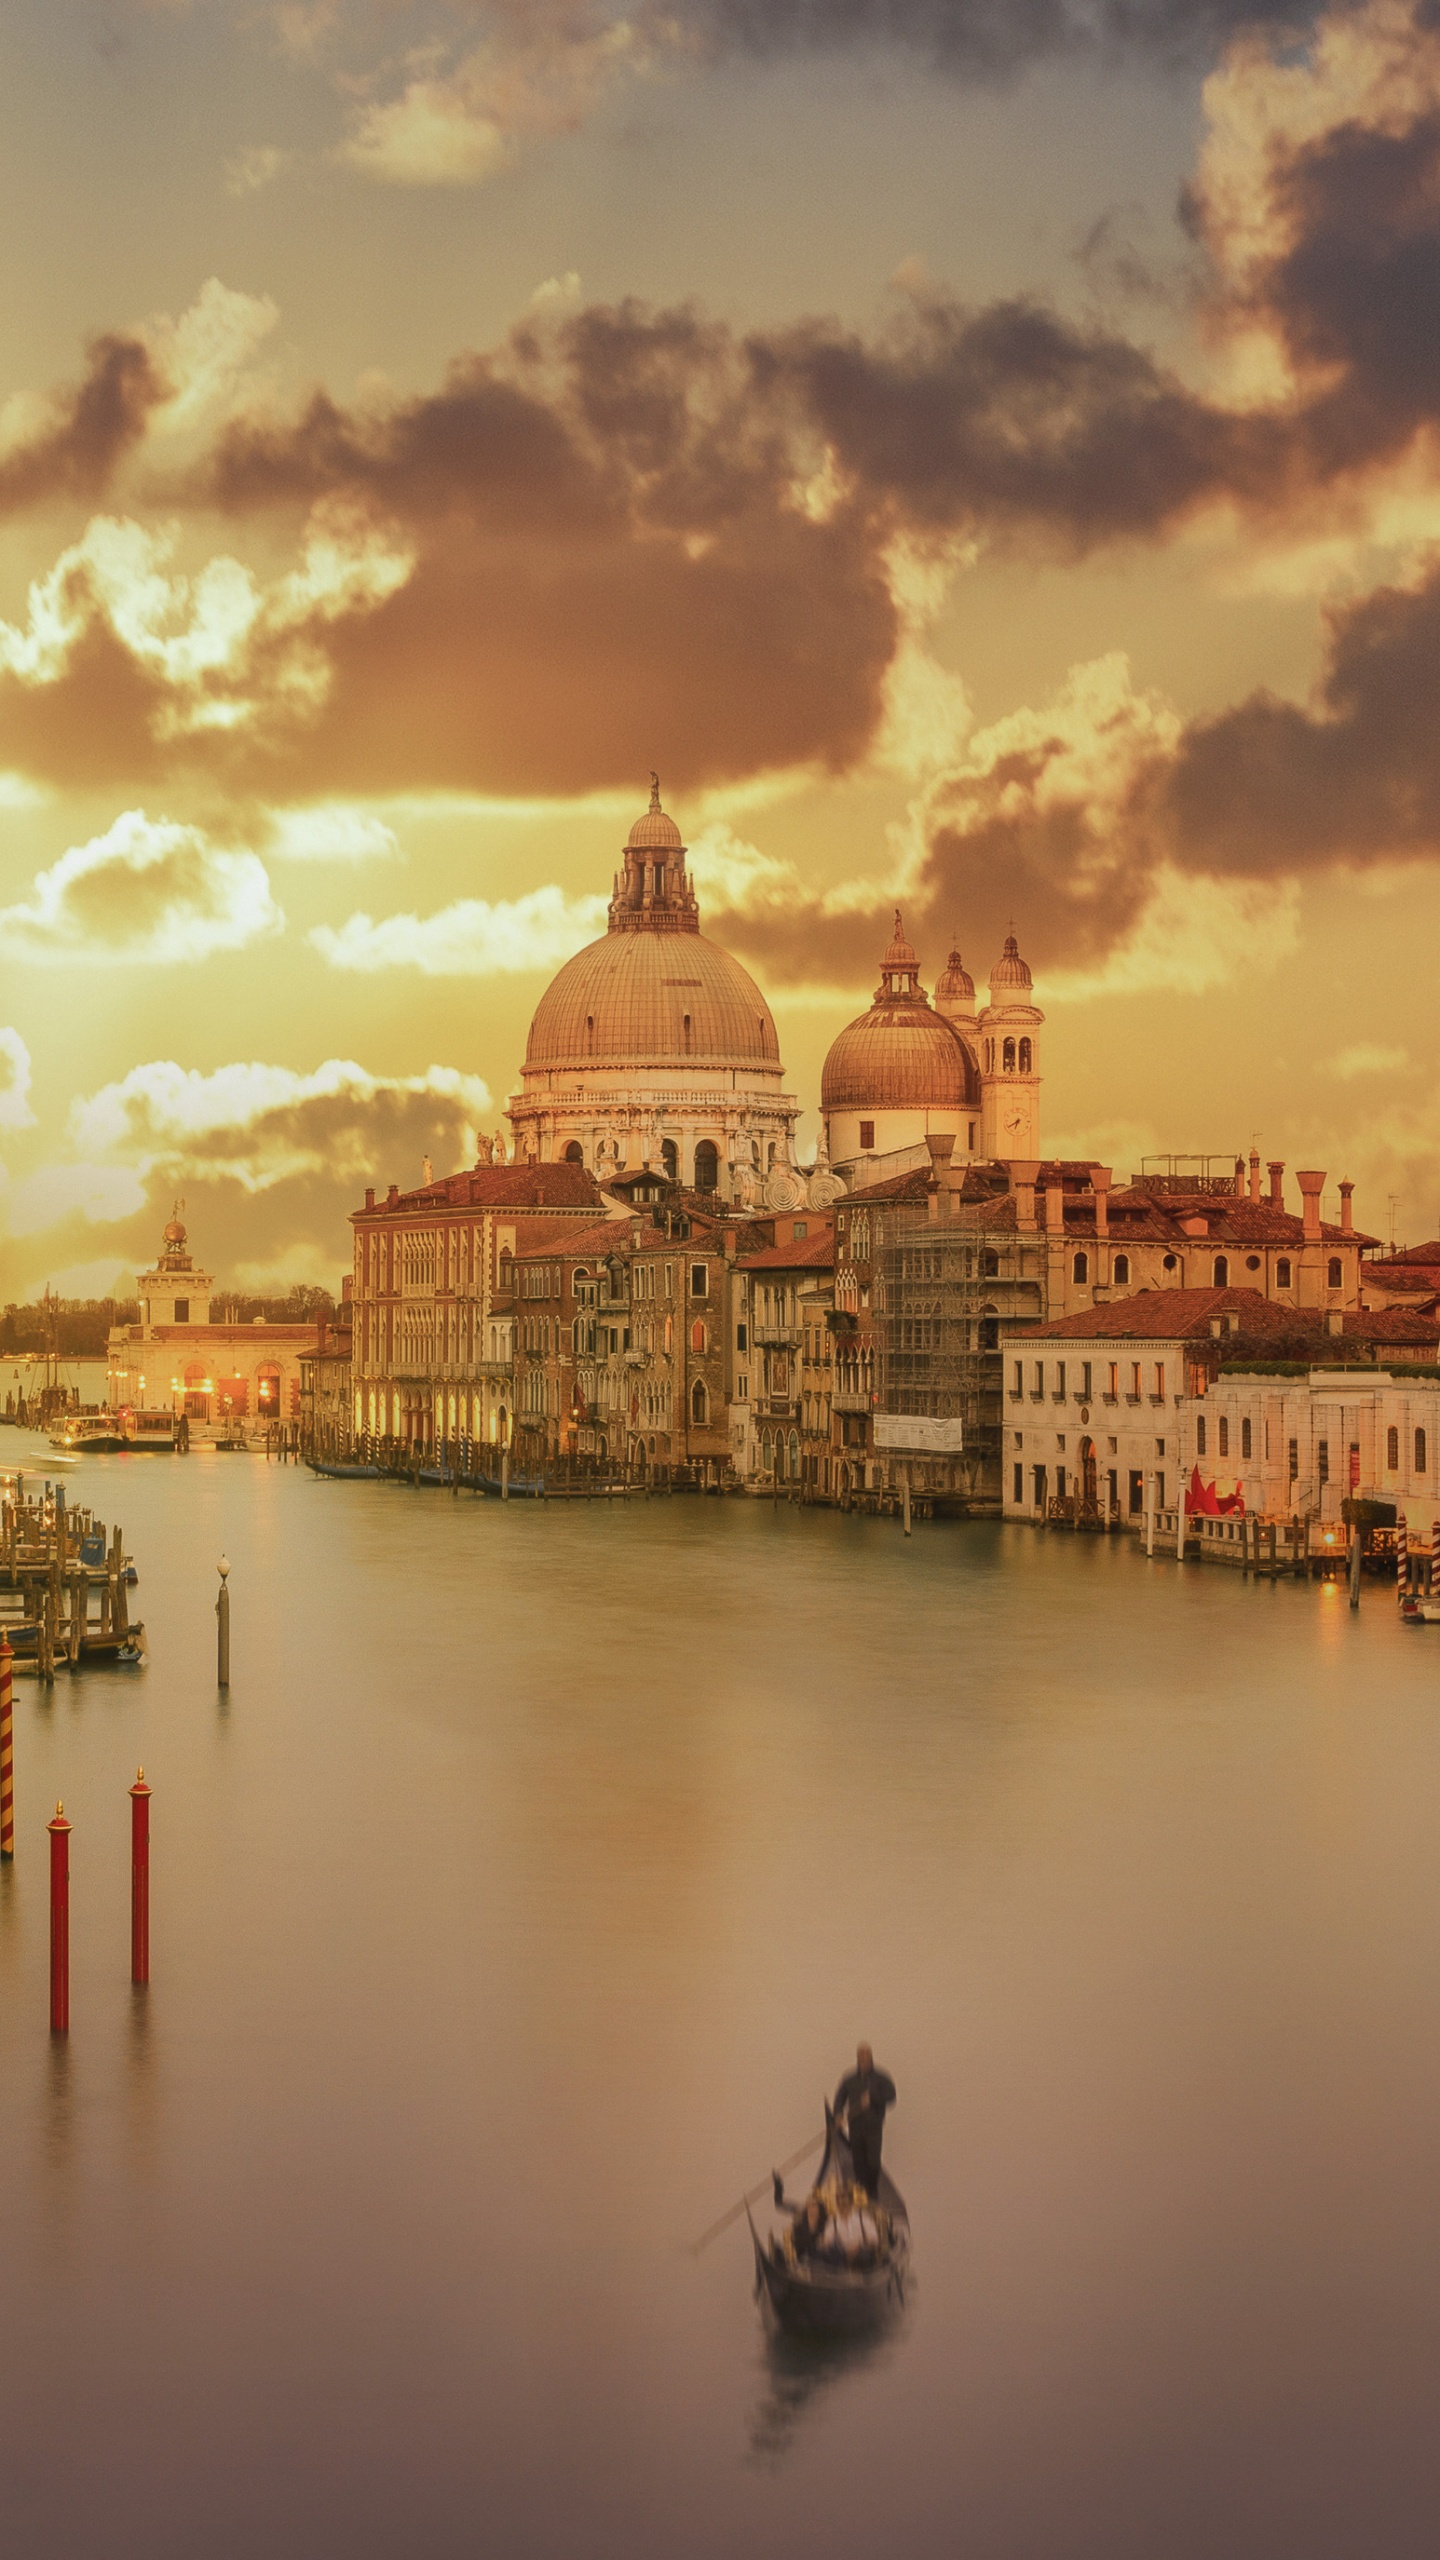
<point x="782" y="1311"/>
<point x="653" y="1047"/>
<point x="327" y="1402"/>
<point x="181" y="1358"/>
<point x="432" y="1351"/>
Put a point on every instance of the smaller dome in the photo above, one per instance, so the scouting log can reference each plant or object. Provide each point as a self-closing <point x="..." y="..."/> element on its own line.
<point x="901" y="954"/>
<point x="1010" y="970"/>
<point x="174" y="1233"/>
<point x="956" y="984"/>
<point x="657" y="827"/>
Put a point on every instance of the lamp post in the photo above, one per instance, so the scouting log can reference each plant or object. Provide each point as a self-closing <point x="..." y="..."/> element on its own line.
<point x="222" y="1616"/>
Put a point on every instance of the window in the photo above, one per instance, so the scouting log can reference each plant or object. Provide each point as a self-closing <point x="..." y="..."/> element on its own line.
<point x="1171" y="1262"/>
<point x="1222" y="1271"/>
<point x="742" y="1390"/>
<point x="1135" y="1380"/>
<point x="1282" y="1273"/>
<point x="1019" y="1388"/>
<point x="1122" y="1270"/>
<point x="1060" y="1483"/>
<point x="990" y="1266"/>
<point x="1160" y="1489"/>
<point x="1137" y="1490"/>
<point x="1085" y="1387"/>
<point x="699" y="1280"/>
<point x="1019" y="1481"/>
<point x="1392" y="1447"/>
<point x="1024" y="1057"/>
<point x="1323" y="1461"/>
<point x="1336" y="1278"/>
<point x="1039" y="1388"/>
<point x="574" y="1153"/>
<point x="1294" y="1459"/>
<point x="1419" y="1453"/>
<point x="182" y="1310"/>
<point x="1039" y="1477"/>
<point x="1200" y="1435"/>
<point x="1160" y="1380"/>
<point x="742" y="1337"/>
<point x="1080" y="1267"/>
<point x="699" y="1402"/>
<point x="867" y="1136"/>
<point x="670" y="1159"/>
<point x="1113" y="1389"/>
<point x="1059" y="1381"/>
<point x="1224" y="1435"/>
<point x="687" y="1042"/>
<point x="1246" y="1443"/>
<point x="1007" y="1059"/>
<point x="707" y="1165"/>
<point x="697" y="1334"/>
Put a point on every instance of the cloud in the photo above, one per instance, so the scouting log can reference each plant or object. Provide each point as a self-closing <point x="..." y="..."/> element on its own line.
<point x="542" y="69"/>
<point x="257" y="166"/>
<point x="147" y="891"/>
<point x="15" y="1111"/>
<point x="1368" y="1058"/>
<point x="100" y="1194"/>
<point x="331" y="832"/>
<point x="256" y="1126"/>
<point x="69" y="444"/>
<point x="471" y="939"/>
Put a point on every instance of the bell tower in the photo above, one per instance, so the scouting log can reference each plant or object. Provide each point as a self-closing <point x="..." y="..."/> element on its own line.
<point x="1009" y="1031"/>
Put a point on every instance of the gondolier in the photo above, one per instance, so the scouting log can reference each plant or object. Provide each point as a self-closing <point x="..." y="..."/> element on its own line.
<point x="861" y="2101"/>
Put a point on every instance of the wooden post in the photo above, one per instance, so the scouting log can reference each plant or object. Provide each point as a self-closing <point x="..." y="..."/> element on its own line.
<point x="1356" y="1542"/>
<point x="222" y="1617"/>
<point x="905" y="1491"/>
<point x="1149" y="1511"/>
<point x="7" y="1749"/>
<point x="505" y="1471"/>
<point x="139" y="1879"/>
<point x="59" y="1831"/>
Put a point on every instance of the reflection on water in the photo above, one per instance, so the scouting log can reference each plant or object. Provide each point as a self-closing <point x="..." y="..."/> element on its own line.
<point x="797" y="2374"/>
<point x="542" y="1873"/>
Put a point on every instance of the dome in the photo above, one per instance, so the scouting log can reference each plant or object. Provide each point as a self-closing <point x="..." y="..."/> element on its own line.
<point x="656" y="999"/>
<point x="1010" y="970"/>
<point x="955" y="985"/>
<point x="657" y="828"/>
<point x="899" y="1060"/>
<point x="901" y="954"/>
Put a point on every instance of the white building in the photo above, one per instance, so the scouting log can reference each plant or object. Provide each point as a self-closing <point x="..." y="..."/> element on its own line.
<point x="177" y="1360"/>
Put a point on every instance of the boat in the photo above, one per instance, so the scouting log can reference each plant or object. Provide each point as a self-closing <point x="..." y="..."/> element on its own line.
<point x="520" y="1488"/>
<point x="1416" y="1612"/>
<point x="815" y="2299"/>
<point x="339" y="1467"/>
<point x="149" y="1431"/>
<point x="90" y="1435"/>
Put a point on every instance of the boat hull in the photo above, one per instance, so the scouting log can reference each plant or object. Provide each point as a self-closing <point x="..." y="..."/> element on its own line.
<point x="817" y="2301"/>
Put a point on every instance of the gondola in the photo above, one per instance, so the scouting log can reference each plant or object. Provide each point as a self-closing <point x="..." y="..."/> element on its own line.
<point x="521" y="1488"/>
<point x="814" y="2299"/>
<point x="336" y="1467"/>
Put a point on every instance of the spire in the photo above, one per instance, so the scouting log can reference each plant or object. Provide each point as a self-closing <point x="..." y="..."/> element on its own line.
<point x="654" y="788"/>
<point x="652" y="893"/>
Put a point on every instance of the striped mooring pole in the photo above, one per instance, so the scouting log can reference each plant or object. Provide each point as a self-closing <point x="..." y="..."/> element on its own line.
<point x="1435" y="1558"/>
<point x="1402" y="1555"/>
<point x="7" y="1749"/>
<point x="59" y="1831"/>
<point x="139" y="1879"/>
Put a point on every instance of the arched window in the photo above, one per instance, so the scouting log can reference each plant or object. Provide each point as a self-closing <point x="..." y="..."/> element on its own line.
<point x="1024" y="1057"/>
<point x="697" y="1335"/>
<point x="1200" y="1435"/>
<point x="687" y="1035"/>
<point x="1224" y="1436"/>
<point x="1392" y="1446"/>
<point x="670" y="1159"/>
<point x="1222" y="1271"/>
<point x="1419" y="1453"/>
<point x="574" y="1153"/>
<point x="794" y="1457"/>
<point x="1245" y="1438"/>
<point x="1282" y="1273"/>
<point x="1336" y="1279"/>
<point x="1008" y="1058"/>
<point x="590" y="1035"/>
<point x="990" y="1265"/>
<point x="699" y="1402"/>
<point x="1122" y="1270"/>
<point x="707" y="1165"/>
<point x="767" y="1455"/>
<point x="267" y="1395"/>
<point x="1080" y="1268"/>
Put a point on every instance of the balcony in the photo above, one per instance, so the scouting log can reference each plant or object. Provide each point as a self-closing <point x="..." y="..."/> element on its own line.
<point x="850" y="1400"/>
<point x="776" y="1337"/>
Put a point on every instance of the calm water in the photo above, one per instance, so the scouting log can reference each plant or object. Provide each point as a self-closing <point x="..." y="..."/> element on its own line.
<point x="539" y="1875"/>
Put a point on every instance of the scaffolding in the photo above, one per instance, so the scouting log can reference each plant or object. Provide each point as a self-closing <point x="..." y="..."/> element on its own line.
<point x="950" y="1285"/>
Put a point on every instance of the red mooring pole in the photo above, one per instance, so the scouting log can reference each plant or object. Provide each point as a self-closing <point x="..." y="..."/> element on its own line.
<point x="139" y="1879"/>
<point x="7" y="1750"/>
<point x="59" y="1831"/>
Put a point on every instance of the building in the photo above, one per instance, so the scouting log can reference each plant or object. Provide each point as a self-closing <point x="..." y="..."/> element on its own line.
<point x="216" y="1373"/>
<point x="782" y="1312"/>
<point x="327" y="1408"/>
<point x="1218" y="1396"/>
<point x="654" y="1048"/>
<point x="432" y="1354"/>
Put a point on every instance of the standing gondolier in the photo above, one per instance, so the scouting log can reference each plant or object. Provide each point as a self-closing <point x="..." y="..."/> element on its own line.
<point x="861" y="2099"/>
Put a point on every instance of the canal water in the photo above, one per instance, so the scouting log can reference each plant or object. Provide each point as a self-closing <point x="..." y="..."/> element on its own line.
<point x="537" y="1877"/>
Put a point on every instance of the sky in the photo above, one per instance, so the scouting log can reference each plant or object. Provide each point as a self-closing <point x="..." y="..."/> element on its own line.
<point x="983" y="453"/>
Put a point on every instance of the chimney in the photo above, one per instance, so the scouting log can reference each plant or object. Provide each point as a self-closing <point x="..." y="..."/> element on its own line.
<point x="1101" y="1177"/>
<point x="347" y="1288"/>
<point x="392" y="1195"/>
<point x="1347" y="1213"/>
<point x="1239" y="1177"/>
<point x="369" y="1199"/>
<point x="942" y="1148"/>
<point x="1022" y="1184"/>
<point x="1277" y="1185"/>
<point x="1311" y="1186"/>
<point x="1054" y="1209"/>
<point x="1254" y="1173"/>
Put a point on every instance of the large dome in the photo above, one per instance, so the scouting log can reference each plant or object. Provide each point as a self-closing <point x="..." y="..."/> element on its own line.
<point x="654" y="999"/>
<point x="899" y="1059"/>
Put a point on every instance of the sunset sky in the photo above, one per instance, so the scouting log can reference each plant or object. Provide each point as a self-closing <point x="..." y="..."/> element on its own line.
<point x="983" y="452"/>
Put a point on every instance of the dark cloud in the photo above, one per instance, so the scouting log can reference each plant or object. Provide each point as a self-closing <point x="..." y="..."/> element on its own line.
<point x="980" y="38"/>
<point x="91" y="427"/>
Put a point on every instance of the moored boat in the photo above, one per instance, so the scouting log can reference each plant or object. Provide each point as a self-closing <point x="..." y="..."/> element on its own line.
<point x="822" y="2295"/>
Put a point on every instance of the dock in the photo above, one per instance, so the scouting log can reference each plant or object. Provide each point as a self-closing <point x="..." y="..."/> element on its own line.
<point x="64" y="1586"/>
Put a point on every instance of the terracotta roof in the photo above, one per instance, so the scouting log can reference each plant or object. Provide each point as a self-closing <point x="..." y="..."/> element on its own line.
<point x="1165" y="1315"/>
<point x="498" y="1186"/>
<point x="811" y="1253"/>
<point x="1393" y="1324"/>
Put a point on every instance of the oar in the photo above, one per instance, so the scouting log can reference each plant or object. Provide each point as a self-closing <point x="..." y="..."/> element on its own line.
<point x="754" y="2196"/>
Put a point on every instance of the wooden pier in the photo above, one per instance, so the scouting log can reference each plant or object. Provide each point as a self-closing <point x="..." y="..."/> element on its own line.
<point x="64" y="1586"/>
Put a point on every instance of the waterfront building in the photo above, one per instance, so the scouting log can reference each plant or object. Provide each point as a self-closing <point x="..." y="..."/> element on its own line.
<point x="1222" y="1394"/>
<point x="653" y="1047"/>
<point x="180" y="1357"/>
<point x="783" y="1329"/>
<point x="432" y="1351"/>
<point x="327" y="1410"/>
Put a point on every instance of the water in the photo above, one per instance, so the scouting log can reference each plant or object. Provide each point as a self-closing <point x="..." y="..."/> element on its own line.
<point x="540" y="1873"/>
